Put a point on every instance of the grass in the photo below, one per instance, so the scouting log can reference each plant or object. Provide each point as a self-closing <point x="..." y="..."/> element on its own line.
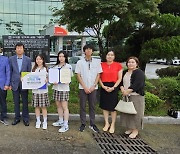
<point x="74" y="106"/>
<point x="73" y="100"/>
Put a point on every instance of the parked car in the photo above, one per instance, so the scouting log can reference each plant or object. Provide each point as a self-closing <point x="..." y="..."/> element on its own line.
<point x="162" y="61"/>
<point x="73" y="61"/>
<point x="176" y="61"/>
<point x="53" y="57"/>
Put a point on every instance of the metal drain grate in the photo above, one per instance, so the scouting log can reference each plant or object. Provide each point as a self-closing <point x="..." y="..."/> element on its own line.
<point x="121" y="144"/>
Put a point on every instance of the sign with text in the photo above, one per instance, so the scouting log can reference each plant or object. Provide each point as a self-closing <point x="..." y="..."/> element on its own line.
<point x="34" y="45"/>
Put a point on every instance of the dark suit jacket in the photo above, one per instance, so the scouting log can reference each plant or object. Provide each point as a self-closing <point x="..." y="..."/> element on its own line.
<point x="137" y="81"/>
<point x="15" y="75"/>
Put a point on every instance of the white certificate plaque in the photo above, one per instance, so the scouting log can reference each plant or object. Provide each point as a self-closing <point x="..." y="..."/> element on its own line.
<point x="65" y="75"/>
<point x="59" y="75"/>
<point x="53" y="75"/>
<point x="33" y="80"/>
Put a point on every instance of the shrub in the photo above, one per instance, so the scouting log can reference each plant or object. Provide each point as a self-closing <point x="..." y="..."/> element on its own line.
<point x="168" y="72"/>
<point x="149" y="86"/>
<point x="152" y="102"/>
<point x="167" y="88"/>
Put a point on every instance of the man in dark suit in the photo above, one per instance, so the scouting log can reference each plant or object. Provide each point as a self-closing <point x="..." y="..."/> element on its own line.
<point x="4" y="86"/>
<point x="19" y="63"/>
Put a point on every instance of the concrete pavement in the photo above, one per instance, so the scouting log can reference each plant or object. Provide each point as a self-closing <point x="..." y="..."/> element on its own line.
<point x="19" y="139"/>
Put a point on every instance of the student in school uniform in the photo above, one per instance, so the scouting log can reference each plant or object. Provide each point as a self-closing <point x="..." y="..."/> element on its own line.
<point x="61" y="94"/>
<point x="40" y="99"/>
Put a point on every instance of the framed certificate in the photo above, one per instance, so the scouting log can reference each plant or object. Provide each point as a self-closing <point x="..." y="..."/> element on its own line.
<point x="33" y="80"/>
<point x="59" y="75"/>
<point x="53" y="75"/>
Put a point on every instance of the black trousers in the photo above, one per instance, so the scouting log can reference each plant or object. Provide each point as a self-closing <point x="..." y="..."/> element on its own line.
<point x="16" y="97"/>
<point x="3" y="104"/>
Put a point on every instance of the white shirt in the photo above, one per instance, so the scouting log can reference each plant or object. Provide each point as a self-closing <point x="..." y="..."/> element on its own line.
<point x="88" y="71"/>
<point x="126" y="82"/>
<point x="41" y="91"/>
<point x="63" y="86"/>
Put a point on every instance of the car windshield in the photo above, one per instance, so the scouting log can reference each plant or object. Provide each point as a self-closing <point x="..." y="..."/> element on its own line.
<point x="74" y="60"/>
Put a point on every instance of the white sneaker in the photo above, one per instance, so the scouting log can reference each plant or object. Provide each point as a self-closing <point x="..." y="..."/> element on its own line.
<point x="44" y="125"/>
<point x="57" y="124"/>
<point x="38" y="124"/>
<point x="63" y="129"/>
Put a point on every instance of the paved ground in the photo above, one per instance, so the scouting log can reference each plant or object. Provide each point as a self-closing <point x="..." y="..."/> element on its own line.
<point x="20" y="139"/>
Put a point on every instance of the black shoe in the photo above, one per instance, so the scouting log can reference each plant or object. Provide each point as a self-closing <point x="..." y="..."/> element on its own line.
<point x="94" y="128"/>
<point x="82" y="127"/>
<point x="15" y="122"/>
<point x="26" y="123"/>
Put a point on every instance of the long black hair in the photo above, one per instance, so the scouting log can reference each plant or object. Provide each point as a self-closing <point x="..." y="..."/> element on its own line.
<point x="65" y="56"/>
<point x="36" y="65"/>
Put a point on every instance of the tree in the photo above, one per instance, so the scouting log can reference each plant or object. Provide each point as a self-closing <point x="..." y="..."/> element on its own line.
<point x="133" y="28"/>
<point x="165" y="47"/>
<point x="15" y="27"/>
<point x="169" y="6"/>
<point x="148" y="35"/>
<point x="166" y="43"/>
<point x="81" y="14"/>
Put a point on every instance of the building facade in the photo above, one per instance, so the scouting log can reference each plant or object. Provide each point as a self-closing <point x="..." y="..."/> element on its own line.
<point x="25" y="16"/>
<point x="34" y="17"/>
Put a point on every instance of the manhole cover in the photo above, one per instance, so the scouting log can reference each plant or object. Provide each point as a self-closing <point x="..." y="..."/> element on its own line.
<point x="121" y="144"/>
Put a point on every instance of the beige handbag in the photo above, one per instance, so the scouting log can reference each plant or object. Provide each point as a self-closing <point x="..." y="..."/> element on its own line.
<point x="126" y="106"/>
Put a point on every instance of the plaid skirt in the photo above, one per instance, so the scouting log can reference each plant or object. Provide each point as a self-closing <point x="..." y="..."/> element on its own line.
<point x="40" y="100"/>
<point x="61" y="96"/>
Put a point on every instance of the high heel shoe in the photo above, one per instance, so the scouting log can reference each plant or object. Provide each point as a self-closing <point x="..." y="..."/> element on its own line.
<point x="106" y="127"/>
<point x="133" y="134"/>
<point x="111" y="130"/>
<point x="128" y="132"/>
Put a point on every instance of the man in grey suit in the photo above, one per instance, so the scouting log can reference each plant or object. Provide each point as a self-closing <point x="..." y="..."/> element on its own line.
<point x="19" y="63"/>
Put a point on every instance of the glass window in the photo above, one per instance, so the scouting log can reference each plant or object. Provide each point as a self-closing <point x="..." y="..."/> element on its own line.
<point x="31" y="19"/>
<point x="37" y="7"/>
<point x="25" y="29"/>
<point x="25" y="8"/>
<point x="25" y="19"/>
<point x="37" y="19"/>
<point x="34" y="14"/>
<point x="19" y="7"/>
<point x="31" y="8"/>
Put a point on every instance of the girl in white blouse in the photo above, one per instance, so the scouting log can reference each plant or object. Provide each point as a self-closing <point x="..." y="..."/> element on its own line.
<point x="61" y="94"/>
<point x="40" y="98"/>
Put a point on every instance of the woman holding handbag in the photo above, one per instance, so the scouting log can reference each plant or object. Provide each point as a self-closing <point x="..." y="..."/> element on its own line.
<point x="109" y="81"/>
<point x="132" y="86"/>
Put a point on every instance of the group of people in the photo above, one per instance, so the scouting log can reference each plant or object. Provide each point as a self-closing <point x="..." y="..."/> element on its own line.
<point x="90" y="72"/>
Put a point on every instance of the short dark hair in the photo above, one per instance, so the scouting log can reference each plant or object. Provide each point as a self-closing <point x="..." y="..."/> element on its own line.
<point x="135" y="58"/>
<point x="88" y="46"/>
<point x="19" y="44"/>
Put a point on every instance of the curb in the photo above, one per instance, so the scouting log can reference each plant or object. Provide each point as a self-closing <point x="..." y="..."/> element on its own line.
<point x="100" y="118"/>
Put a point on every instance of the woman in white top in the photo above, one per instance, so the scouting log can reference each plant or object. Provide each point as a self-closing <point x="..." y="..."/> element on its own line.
<point x="61" y="94"/>
<point x="40" y="98"/>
